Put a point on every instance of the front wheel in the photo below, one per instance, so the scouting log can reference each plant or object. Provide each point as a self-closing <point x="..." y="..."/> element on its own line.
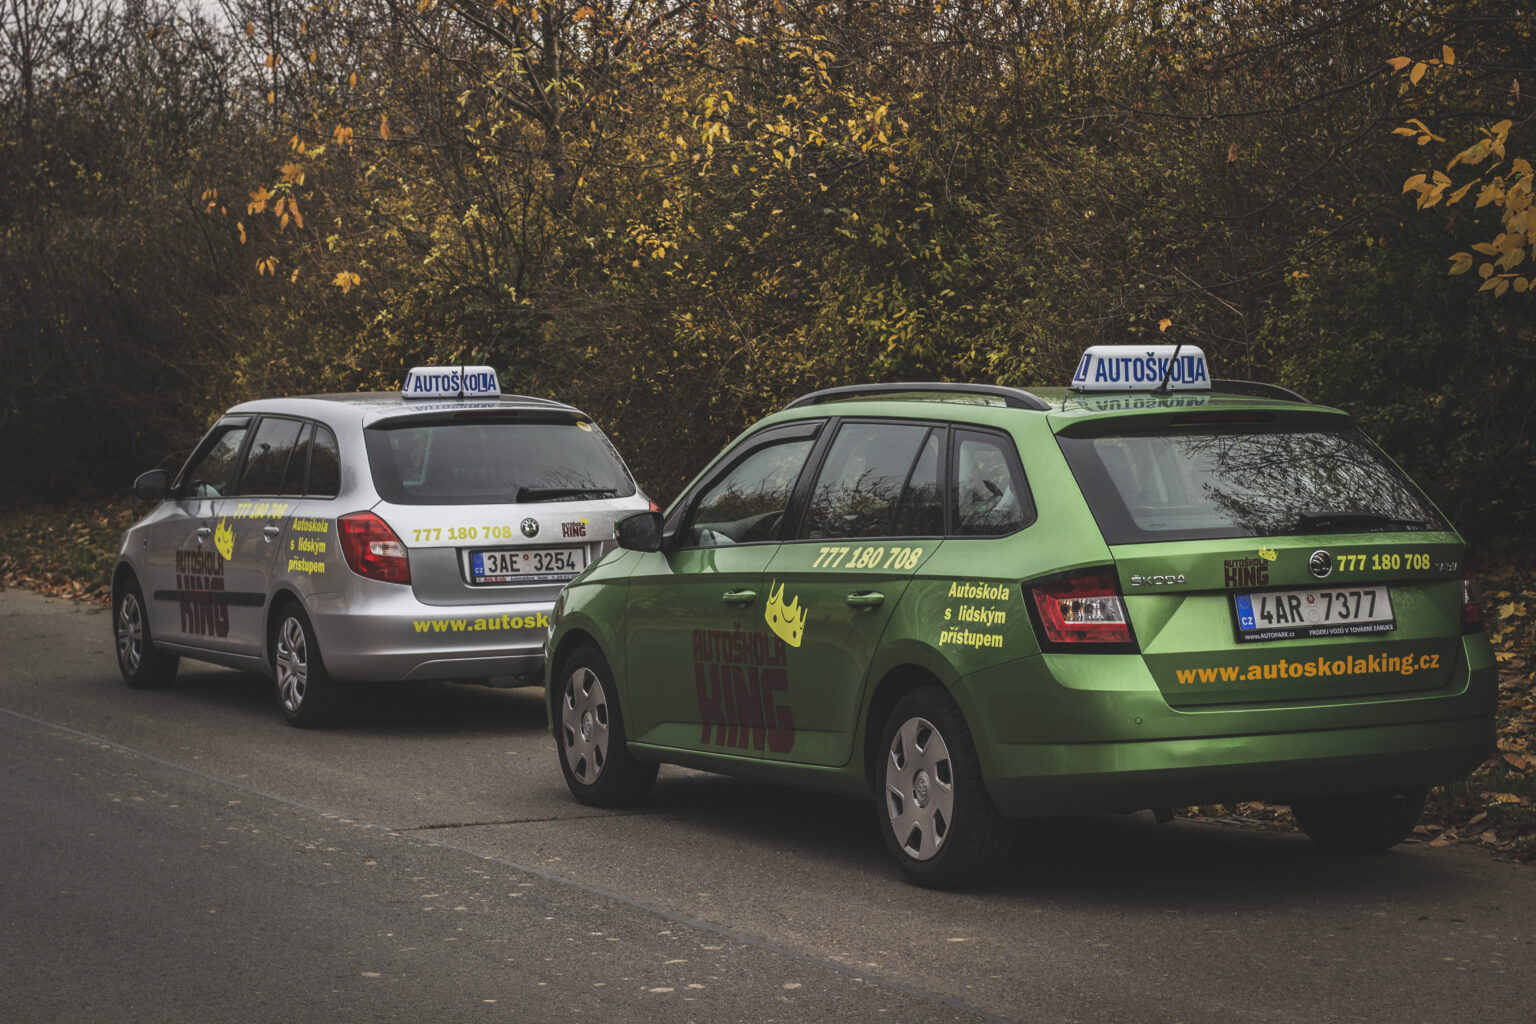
<point x="594" y="755"/>
<point x="142" y="665"/>
<point x="1368" y="823"/>
<point x="307" y="696"/>
<point x="937" y="819"/>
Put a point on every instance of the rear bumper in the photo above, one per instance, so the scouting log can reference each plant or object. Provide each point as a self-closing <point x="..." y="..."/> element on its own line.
<point x="1068" y="734"/>
<point x="1044" y="779"/>
<point x="393" y="637"/>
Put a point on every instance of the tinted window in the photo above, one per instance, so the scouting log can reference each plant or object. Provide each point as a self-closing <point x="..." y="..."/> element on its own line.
<point x="1249" y="484"/>
<point x="490" y="460"/>
<point x="268" y="457"/>
<point x="748" y="503"/>
<point x="861" y="482"/>
<point x="324" y="465"/>
<point x="298" y="464"/>
<point x="989" y="495"/>
<point x="213" y="472"/>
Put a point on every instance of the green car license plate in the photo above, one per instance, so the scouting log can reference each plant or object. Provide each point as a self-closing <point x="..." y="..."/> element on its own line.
<point x="512" y="564"/>
<point x="1328" y="611"/>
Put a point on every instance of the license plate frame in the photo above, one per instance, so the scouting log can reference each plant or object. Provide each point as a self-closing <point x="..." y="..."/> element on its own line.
<point x="1299" y="612"/>
<point x="490" y="567"/>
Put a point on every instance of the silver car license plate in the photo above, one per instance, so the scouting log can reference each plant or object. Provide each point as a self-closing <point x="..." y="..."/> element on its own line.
<point x="1327" y="611"/>
<point x="509" y="565"/>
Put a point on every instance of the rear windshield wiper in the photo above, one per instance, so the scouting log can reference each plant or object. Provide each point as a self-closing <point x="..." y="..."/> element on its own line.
<point x="1350" y="521"/>
<point x="555" y="493"/>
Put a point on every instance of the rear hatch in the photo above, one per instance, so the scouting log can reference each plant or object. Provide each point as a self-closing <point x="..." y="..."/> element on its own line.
<point x="1272" y="558"/>
<point x="498" y="506"/>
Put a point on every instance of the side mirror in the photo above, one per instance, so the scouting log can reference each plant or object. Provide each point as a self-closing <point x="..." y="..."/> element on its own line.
<point x="154" y="485"/>
<point x="640" y="532"/>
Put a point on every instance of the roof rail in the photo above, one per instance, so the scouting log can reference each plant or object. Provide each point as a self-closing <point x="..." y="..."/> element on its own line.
<point x="1253" y="387"/>
<point x="1013" y="398"/>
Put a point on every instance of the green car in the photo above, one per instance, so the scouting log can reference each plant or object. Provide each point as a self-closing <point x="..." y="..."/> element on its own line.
<point x="978" y="604"/>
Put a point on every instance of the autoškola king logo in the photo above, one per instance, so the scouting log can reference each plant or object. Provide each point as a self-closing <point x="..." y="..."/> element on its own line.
<point x="739" y="675"/>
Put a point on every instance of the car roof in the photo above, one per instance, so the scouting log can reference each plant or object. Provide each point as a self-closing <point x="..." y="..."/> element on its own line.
<point x="373" y="406"/>
<point x="1065" y="409"/>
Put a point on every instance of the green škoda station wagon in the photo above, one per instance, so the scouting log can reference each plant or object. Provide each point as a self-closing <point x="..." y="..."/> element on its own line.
<point x="979" y="604"/>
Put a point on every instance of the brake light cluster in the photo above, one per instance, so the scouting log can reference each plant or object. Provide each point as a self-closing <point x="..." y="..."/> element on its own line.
<point x="1082" y="608"/>
<point x="372" y="549"/>
<point x="1471" y="603"/>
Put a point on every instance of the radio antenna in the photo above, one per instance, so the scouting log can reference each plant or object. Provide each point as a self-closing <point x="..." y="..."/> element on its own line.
<point x="1162" y="389"/>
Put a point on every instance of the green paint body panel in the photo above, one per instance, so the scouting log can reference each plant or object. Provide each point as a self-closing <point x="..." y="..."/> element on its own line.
<point x="1192" y="713"/>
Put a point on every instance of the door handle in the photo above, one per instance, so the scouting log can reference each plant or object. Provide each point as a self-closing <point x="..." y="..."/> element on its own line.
<point x="203" y="532"/>
<point x="865" y="599"/>
<point x="269" y="532"/>
<point x="739" y="596"/>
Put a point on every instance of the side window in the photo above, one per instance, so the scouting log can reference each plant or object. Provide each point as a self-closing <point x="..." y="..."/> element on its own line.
<point x="213" y="472"/>
<point x="271" y="450"/>
<point x="324" y="465"/>
<point x="987" y="487"/>
<point x="298" y="463"/>
<point x="748" y="502"/>
<point x="921" y="513"/>
<point x="862" y="480"/>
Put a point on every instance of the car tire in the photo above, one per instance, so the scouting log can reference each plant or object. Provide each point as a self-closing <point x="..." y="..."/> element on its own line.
<point x="589" y="730"/>
<point x="142" y="664"/>
<point x="306" y="694"/>
<point x="1368" y="823"/>
<point x="938" y="821"/>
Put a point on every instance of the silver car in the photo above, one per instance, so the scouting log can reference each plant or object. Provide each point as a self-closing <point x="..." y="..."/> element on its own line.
<point x="333" y="539"/>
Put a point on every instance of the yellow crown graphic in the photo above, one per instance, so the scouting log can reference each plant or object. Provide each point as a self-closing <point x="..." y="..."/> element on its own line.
<point x="224" y="539"/>
<point x="1268" y="554"/>
<point x="786" y="620"/>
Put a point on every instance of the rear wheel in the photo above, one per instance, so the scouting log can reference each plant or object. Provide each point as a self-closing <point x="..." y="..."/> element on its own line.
<point x="306" y="694"/>
<point x="142" y="665"/>
<point x="937" y="819"/>
<point x="1368" y="823"/>
<point x="594" y="754"/>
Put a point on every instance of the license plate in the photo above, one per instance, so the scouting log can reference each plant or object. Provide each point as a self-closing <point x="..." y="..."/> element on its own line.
<point x="513" y="564"/>
<point x="1329" y="611"/>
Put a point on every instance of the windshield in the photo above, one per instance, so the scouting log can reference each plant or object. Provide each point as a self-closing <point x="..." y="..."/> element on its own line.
<point x="1185" y="486"/>
<point x="471" y="461"/>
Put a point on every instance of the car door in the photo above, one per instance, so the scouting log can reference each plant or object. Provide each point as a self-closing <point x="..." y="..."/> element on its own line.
<point x="249" y="526"/>
<point x="184" y="567"/>
<point x="873" y="515"/>
<point x="706" y="670"/>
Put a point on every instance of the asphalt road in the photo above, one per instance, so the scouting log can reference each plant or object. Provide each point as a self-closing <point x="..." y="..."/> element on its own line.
<point x="184" y="855"/>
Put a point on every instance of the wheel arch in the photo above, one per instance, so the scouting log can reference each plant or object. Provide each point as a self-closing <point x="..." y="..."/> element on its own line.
<point x="280" y="599"/>
<point x="123" y="570"/>
<point x="568" y="642"/>
<point x="894" y="685"/>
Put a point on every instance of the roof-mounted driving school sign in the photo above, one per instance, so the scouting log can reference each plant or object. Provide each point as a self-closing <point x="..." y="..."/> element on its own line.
<point x="450" y="382"/>
<point x="1142" y="368"/>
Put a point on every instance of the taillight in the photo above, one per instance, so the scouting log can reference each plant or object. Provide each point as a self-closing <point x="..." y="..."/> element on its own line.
<point x="1082" y="609"/>
<point x="1471" y="603"/>
<point x="372" y="549"/>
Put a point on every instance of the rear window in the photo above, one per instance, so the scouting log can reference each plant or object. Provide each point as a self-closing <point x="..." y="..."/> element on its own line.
<point x="1186" y="486"/>
<point x="490" y="461"/>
